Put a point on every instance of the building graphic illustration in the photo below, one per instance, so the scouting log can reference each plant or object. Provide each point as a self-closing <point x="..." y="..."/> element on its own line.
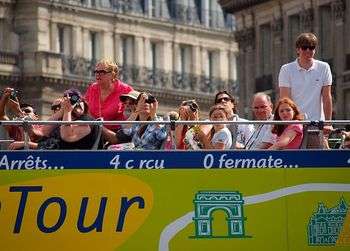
<point x="206" y="202"/>
<point x="330" y="226"/>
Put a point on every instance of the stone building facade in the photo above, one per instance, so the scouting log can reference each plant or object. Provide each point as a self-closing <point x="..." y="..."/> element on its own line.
<point x="177" y="50"/>
<point x="266" y="31"/>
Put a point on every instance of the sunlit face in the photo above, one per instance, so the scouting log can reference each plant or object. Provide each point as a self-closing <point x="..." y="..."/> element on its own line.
<point x="262" y="108"/>
<point x="224" y="100"/>
<point x="129" y="103"/>
<point x="306" y="52"/>
<point x="218" y="115"/>
<point x="286" y="112"/>
<point x="29" y="111"/>
<point x="145" y="107"/>
<point x="102" y="73"/>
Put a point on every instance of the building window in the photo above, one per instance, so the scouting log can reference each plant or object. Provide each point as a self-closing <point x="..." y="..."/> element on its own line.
<point x="61" y="39"/>
<point x="64" y="36"/>
<point x="127" y="50"/>
<point x="325" y="32"/>
<point x="209" y="71"/>
<point x="293" y="32"/>
<point x="154" y="8"/>
<point x="232" y="67"/>
<point x="184" y="61"/>
<point x="211" y="14"/>
<point x="198" y="4"/>
<point x="265" y="49"/>
<point x="153" y="57"/>
<point x="93" y="48"/>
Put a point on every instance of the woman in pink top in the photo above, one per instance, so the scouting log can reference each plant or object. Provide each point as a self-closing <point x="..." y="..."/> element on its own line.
<point x="103" y="95"/>
<point x="288" y="136"/>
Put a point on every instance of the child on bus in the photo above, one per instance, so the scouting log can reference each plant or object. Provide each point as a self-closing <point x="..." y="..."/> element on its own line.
<point x="288" y="136"/>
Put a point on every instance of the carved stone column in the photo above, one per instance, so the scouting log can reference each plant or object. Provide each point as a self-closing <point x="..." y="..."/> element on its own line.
<point x="277" y="31"/>
<point x="338" y="9"/>
<point x="246" y="42"/>
<point x="77" y="41"/>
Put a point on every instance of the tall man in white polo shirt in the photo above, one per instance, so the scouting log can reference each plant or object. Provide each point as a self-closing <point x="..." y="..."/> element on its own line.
<point x="308" y="81"/>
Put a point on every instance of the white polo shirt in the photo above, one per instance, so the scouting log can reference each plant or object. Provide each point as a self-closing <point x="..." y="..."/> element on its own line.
<point x="306" y="86"/>
<point x="262" y="134"/>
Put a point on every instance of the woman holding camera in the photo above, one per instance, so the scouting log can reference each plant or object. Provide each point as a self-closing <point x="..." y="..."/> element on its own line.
<point x="185" y="134"/>
<point x="147" y="136"/>
<point x="76" y="136"/>
<point x="103" y="95"/>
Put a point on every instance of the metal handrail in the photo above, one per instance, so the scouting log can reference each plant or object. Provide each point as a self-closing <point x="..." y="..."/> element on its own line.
<point x="26" y="123"/>
<point x="176" y="122"/>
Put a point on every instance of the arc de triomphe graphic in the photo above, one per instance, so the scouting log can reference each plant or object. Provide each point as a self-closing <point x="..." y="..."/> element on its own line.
<point x="206" y="202"/>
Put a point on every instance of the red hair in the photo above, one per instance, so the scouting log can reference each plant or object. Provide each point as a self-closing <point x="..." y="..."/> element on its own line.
<point x="278" y="129"/>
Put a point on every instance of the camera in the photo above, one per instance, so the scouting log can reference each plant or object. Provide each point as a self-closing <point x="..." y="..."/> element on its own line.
<point x="193" y="107"/>
<point x="150" y="99"/>
<point x="74" y="98"/>
<point x="191" y="104"/>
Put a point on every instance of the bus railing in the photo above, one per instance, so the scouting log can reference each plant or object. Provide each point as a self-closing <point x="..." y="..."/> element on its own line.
<point x="315" y="126"/>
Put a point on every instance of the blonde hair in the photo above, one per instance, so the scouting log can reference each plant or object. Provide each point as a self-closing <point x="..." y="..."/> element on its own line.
<point x="110" y="66"/>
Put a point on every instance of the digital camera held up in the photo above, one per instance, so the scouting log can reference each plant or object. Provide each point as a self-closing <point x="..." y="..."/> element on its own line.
<point x="192" y="104"/>
<point x="150" y="99"/>
<point x="74" y="99"/>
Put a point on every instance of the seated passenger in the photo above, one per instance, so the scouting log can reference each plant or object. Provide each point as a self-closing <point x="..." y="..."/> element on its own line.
<point x="262" y="137"/>
<point x="241" y="132"/>
<point x="185" y="133"/>
<point x="346" y="140"/>
<point x="220" y="137"/>
<point x="288" y="136"/>
<point x="129" y="103"/>
<point x="76" y="136"/>
<point x="170" y="141"/>
<point x="21" y="112"/>
<point x="147" y="136"/>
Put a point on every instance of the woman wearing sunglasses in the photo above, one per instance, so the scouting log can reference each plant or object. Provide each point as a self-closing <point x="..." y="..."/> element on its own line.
<point x="103" y="95"/>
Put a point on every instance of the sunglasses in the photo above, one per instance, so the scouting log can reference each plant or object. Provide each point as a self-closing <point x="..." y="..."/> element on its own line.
<point x="27" y="110"/>
<point x="305" y="47"/>
<point x="55" y="107"/>
<point x="101" y="71"/>
<point x="226" y="99"/>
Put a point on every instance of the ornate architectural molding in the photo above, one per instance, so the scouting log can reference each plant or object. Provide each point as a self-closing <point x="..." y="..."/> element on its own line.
<point x="307" y="19"/>
<point x="143" y="76"/>
<point x="8" y="58"/>
<point x="277" y="27"/>
<point x="245" y="38"/>
<point x="338" y="8"/>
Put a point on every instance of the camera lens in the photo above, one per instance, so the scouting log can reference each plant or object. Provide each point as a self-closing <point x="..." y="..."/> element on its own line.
<point x="151" y="99"/>
<point x="74" y="99"/>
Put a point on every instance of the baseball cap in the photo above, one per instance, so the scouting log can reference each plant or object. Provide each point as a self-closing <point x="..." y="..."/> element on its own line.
<point x="133" y="95"/>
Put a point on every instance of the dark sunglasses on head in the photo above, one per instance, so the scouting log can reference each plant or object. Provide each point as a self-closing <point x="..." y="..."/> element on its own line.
<point x="101" y="71"/>
<point x="305" y="47"/>
<point x="226" y="99"/>
<point x="55" y="107"/>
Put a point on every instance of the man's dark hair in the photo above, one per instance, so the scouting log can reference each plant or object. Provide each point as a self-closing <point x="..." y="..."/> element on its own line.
<point x="233" y="100"/>
<point x="25" y="105"/>
<point x="306" y="39"/>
